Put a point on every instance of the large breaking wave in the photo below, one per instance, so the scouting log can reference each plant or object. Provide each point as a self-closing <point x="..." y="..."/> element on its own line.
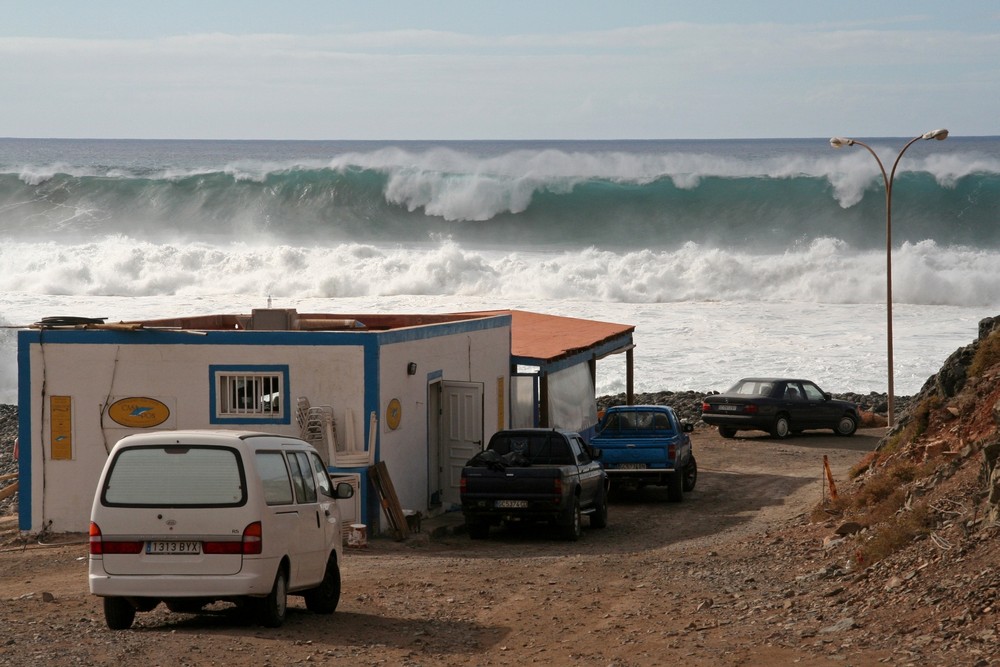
<point x="540" y="197"/>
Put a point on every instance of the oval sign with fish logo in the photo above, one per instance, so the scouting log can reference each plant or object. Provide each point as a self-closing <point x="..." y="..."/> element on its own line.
<point x="139" y="412"/>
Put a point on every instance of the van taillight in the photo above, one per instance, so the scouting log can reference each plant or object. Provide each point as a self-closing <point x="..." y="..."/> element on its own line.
<point x="253" y="536"/>
<point x="558" y="489"/>
<point x="96" y="548"/>
<point x="99" y="546"/>
<point x="216" y="548"/>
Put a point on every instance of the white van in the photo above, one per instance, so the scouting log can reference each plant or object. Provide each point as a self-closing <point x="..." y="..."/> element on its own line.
<point x="194" y="517"/>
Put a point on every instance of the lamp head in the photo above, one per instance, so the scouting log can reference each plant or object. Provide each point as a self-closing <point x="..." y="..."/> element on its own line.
<point x="940" y="134"/>
<point x="840" y="142"/>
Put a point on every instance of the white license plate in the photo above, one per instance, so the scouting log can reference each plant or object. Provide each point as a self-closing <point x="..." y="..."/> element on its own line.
<point x="729" y="408"/>
<point x="631" y="466"/>
<point x="512" y="504"/>
<point x="171" y="548"/>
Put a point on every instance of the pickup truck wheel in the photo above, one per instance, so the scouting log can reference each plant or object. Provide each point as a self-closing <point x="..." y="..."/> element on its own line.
<point x="727" y="432"/>
<point x="675" y="486"/>
<point x="478" y="530"/>
<point x="599" y="519"/>
<point x="782" y="428"/>
<point x="690" y="474"/>
<point x="573" y="528"/>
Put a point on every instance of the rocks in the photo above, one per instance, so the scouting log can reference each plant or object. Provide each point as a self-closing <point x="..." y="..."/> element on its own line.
<point x="687" y="404"/>
<point x="8" y="466"/>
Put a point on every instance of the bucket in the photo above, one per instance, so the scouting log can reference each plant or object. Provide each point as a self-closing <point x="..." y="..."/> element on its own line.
<point x="358" y="537"/>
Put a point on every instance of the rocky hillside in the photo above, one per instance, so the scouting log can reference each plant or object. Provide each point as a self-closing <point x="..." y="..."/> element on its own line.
<point x="910" y="547"/>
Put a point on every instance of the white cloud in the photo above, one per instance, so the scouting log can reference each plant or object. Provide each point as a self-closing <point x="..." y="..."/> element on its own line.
<point x="667" y="80"/>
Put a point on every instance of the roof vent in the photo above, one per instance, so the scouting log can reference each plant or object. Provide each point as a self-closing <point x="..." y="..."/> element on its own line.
<point x="272" y="319"/>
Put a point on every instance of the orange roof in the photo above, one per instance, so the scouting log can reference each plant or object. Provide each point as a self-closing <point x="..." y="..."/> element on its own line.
<point x="549" y="337"/>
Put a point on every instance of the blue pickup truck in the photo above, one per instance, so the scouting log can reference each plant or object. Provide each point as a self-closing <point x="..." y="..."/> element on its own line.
<point x="647" y="444"/>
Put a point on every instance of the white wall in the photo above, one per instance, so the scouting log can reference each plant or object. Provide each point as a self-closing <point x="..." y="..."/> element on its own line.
<point x="474" y="356"/>
<point x="62" y="490"/>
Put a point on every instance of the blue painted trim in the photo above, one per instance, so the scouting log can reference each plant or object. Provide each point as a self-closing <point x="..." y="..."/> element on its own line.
<point x="370" y="505"/>
<point x="286" y="400"/>
<point x="244" y="337"/>
<point x="435" y="375"/>
<point x="24" y="340"/>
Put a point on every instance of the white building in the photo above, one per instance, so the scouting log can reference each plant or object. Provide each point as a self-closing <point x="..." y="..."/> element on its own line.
<point x="421" y="393"/>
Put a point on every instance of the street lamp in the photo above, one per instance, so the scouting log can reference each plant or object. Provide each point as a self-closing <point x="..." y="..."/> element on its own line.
<point x="840" y="142"/>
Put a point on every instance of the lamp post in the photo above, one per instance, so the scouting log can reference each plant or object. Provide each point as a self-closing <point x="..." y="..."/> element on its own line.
<point x="840" y="142"/>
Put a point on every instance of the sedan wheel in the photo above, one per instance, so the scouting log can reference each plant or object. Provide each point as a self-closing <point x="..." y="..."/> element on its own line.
<point x="846" y="425"/>
<point x="727" y="432"/>
<point x="781" y="427"/>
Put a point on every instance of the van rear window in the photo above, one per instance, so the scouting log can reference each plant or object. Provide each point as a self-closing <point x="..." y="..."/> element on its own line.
<point x="175" y="476"/>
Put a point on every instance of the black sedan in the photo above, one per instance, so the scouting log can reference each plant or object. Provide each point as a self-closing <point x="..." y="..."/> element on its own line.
<point x="780" y="406"/>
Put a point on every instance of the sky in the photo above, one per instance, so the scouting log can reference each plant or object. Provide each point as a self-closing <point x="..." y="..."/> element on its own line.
<point x="480" y="69"/>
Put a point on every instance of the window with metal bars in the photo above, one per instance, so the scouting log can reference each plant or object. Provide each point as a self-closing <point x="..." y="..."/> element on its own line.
<point x="250" y="394"/>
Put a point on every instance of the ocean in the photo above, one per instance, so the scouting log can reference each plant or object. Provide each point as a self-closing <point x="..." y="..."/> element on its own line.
<point x="731" y="258"/>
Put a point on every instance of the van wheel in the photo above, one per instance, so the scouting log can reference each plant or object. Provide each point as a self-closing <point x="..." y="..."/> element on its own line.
<point x="275" y="605"/>
<point x="118" y="613"/>
<point x="324" y="598"/>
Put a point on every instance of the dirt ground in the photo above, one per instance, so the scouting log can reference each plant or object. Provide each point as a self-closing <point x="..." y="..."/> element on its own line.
<point x="731" y="576"/>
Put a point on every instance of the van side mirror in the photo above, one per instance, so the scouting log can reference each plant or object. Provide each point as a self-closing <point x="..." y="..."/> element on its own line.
<point x="594" y="452"/>
<point x="344" y="491"/>
<point x="687" y="426"/>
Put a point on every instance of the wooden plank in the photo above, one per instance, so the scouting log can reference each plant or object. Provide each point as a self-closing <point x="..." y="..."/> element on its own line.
<point x="9" y="491"/>
<point x="390" y="501"/>
<point x="4" y="478"/>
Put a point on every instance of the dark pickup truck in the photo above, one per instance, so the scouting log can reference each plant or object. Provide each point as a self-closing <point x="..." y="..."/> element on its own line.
<point x="647" y="444"/>
<point x="533" y="475"/>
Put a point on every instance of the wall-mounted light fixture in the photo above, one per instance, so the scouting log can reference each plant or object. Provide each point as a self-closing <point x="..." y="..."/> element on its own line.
<point x="411" y="368"/>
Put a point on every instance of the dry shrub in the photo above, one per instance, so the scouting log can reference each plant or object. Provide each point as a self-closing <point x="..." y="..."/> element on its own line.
<point x="871" y="420"/>
<point x="987" y="354"/>
<point x="862" y="466"/>
<point x="829" y="508"/>
<point x="894" y="534"/>
<point x="884" y="484"/>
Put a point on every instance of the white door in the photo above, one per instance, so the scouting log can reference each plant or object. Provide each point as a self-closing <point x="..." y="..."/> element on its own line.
<point x="461" y="434"/>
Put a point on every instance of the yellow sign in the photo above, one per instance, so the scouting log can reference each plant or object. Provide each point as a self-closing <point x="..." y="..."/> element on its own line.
<point x="139" y="412"/>
<point x="393" y="414"/>
<point x="61" y="409"/>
